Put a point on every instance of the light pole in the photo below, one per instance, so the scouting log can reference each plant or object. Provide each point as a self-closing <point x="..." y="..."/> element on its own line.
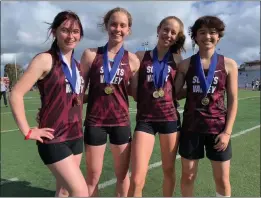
<point x="15" y="69"/>
<point x="193" y="46"/>
<point x="144" y="45"/>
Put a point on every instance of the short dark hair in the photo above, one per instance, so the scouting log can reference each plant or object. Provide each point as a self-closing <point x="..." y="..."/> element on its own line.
<point x="209" y="22"/>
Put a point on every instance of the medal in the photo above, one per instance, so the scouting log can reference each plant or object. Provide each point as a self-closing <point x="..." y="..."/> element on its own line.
<point x="110" y="75"/>
<point x="206" y="81"/>
<point x="70" y="76"/>
<point x="108" y="89"/>
<point x="161" y="92"/>
<point x="155" y="94"/>
<point x="160" y="72"/>
<point x="205" y="101"/>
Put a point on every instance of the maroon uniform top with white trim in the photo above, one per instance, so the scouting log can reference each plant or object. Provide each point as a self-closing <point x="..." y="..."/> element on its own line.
<point x="58" y="111"/>
<point x="150" y="109"/>
<point x="108" y="109"/>
<point x="205" y="119"/>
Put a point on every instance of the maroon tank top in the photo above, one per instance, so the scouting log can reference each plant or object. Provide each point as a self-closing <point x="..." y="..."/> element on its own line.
<point x="212" y="117"/>
<point x="58" y="110"/>
<point x="150" y="109"/>
<point x="108" y="109"/>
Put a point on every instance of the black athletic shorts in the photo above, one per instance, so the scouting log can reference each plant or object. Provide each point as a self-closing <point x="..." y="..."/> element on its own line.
<point x="96" y="136"/>
<point x="157" y="127"/>
<point x="192" y="146"/>
<point x="51" y="153"/>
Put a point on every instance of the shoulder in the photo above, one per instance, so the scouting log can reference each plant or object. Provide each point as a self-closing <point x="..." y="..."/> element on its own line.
<point x="177" y="58"/>
<point x="230" y="65"/>
<point x="90" y="52"/>
<point x="42" y="60"/>
<point x="134" y="61"/>
<point x="140" y="54"/>
<point x="43" y="57"/>
<point x="88" y="56"/>
<point x="184" y="65"/>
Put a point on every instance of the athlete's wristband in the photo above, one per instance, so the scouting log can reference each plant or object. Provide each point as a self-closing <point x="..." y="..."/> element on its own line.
<point x="28" y="135"/>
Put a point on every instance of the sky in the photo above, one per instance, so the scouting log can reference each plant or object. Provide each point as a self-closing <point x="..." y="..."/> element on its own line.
<point x="24" y="31"/>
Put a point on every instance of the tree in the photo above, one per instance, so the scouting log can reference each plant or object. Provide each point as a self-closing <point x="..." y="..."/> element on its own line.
<point x="13" y="75"/>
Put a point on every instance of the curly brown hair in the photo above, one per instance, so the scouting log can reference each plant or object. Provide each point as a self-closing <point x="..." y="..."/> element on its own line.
<point x="209" y="22"/>
<point x="178" y="46"/>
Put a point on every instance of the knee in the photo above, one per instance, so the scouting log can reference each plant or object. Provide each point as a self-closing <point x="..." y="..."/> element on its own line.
<point x="137" y="182"/>
<point x="93" y="176"/>
<point x="188" y="177"/>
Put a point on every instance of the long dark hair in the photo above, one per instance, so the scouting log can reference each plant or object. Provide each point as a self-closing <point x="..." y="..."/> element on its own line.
<point x="58" y="20"/>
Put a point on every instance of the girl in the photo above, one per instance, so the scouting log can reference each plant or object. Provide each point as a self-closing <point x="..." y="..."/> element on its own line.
<point x="60" y="82"/>
<point x="206" y="121"/>
<point x="156" y="106"/>
<point x="109" y="68"/>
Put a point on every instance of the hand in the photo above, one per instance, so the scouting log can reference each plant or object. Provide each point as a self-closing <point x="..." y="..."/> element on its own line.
<point x="38" y="134"/>
<point x="222" y="141"/>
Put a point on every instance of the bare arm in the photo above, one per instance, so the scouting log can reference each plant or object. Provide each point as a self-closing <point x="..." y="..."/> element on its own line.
<point x="180" y="78"/>
<point x="232" y="94"/>
<point x="86" y="62"/>
<point x="135" y="65"/>
<point x="222" y="139"/>
<point x="183" y="92"/>
<point x="37" y="69"/>
<point x="177" y="58"/>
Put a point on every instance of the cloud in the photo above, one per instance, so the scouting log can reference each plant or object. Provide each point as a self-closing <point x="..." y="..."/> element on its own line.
<point x="25" y="32"/>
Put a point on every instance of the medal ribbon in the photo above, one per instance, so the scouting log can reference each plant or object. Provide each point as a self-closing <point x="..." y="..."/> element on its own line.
<point x="205" y="81"/>
<point x="70" y="77"/>
<point x="110" y="75"/>
<point x="160" y="69"/>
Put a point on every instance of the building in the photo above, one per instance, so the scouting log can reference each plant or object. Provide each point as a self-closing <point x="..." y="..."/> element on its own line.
<point x="251" y="65"/>
<point x="248" y="72"/>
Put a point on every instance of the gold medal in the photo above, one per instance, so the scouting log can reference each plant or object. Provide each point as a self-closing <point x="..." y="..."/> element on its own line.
<point x="108" y="89"/>
<point x="161" y="92"/>
<point x="155" y="94"/>
<point x="205" y="101"/>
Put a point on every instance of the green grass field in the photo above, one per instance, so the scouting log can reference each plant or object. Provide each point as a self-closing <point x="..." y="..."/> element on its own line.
<point x="24" y="174"/>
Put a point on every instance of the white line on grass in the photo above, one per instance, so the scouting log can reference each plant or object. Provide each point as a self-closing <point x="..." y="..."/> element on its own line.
<point x="157" y="164"/>
<point x="130" y="109"/>
<point x="5" y="131"/>
<point x="248" y="97"/>
<point x="151" y="166"/>
<point x="9" y="112"/>
<point x="9" y="181"/>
